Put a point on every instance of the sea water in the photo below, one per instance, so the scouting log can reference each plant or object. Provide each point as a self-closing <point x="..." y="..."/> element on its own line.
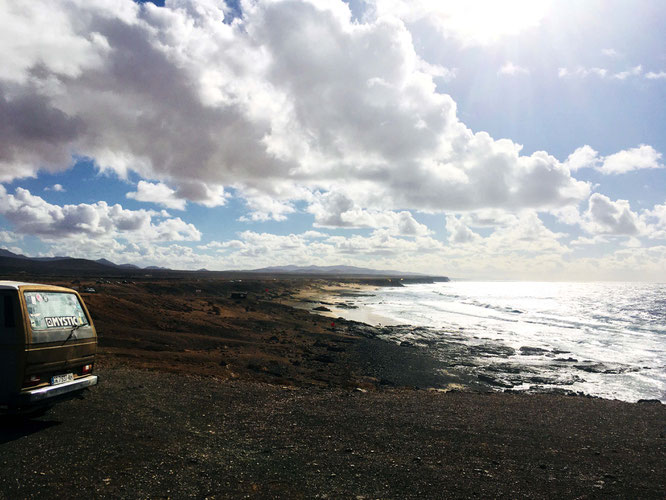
<point x="602" y="339"/>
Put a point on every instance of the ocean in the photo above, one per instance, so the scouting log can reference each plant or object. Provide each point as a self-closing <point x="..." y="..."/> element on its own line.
<point x="601" y="339"/>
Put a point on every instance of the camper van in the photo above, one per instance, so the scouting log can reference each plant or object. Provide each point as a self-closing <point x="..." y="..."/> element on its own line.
<point x="47" y="346"/>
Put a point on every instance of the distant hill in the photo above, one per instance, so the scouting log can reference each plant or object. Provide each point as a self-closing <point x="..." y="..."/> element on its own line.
<point x="55" y="266"/>
<point x="337" y="270"/>
<point x="105" y="262"/>
<point x="7" y="253"/>
<point x="12" y="262"/>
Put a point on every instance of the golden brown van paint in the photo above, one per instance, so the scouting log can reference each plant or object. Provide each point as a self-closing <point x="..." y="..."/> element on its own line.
<point x="63" y="358"/>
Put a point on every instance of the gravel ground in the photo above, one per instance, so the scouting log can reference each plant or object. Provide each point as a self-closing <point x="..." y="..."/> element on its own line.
<point x="143" y="434"/>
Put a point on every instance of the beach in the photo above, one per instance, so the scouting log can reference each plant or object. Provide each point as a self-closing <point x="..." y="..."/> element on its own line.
<point x="221" y="389"/>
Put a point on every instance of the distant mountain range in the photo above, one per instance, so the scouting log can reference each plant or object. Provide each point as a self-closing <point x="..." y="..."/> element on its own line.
<point x="338" y="270"/>
<point x="13" y="263"/>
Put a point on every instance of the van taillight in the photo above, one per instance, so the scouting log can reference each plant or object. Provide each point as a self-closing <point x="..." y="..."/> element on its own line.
<point x="86" y="369"/>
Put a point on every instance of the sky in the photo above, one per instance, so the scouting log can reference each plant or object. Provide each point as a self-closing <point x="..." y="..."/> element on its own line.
<point x="521" y="139"/>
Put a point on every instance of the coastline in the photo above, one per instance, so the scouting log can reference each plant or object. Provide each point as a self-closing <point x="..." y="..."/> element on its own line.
<point x="333" y="300"/>
<point x="221" y="397"/>
<point x="527" y="366"/>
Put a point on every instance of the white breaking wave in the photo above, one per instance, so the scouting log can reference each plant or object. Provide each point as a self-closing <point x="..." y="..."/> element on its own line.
<point x="604" y="339"/>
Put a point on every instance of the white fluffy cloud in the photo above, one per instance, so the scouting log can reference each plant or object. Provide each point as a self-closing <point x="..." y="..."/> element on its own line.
<point x="605" y="219"/>
<point x="32" y="215"/>
<point x="459" y="232"/>
<point x="605" y="216"/>
<point x="632" y="159"/>
<point x="641" y="157"/>
<point x="157" y="193"/>
<point x="295" y="93"/>
<point x="655" y="220"/>
<point x="338" y="210"/>
<point x="583" y="157"/>
<point x="652" y="75"/>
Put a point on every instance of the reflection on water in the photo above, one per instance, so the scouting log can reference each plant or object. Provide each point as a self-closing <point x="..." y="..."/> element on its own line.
<point x="605" y="339"/>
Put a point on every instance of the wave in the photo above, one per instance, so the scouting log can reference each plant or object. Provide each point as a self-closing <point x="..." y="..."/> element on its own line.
<point x="607" y="324"/>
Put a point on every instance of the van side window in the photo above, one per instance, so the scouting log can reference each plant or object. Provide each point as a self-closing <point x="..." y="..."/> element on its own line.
<point x="7" y="311"/>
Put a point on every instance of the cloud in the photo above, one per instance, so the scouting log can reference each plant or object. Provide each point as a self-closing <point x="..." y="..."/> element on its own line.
<point x="265" y="207"/>
<point x="292" y="99"/>
<point x="583" y="157"/>
<point x="32" y="215"/>
<point x="527" y="235"/>
<point x="474" y="22"/>
<point x="610" y="52"/>
<point x="623" y="75"/>
<point x="584" y="241"/>
<point x="158" y="193"/>
<point x="608" y="217"/>
<point x="655" y="76"/>
<point x="641" y="157"/>
<point x="9" y="237"/>
<point x="459" y="232"/>
<point x="655" y="221"/>
<point x="631" y="159"/>
<point x="510" y="69"/>
<point x="56" y="187"/>
<point x="335" y="210"/>
<point x="488" y="218"/>
<point x="582" y="72"/>
<point x="604" y="218"/>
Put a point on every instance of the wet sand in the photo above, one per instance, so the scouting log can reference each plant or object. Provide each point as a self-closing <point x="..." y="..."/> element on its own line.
<point x="335" y="300"/>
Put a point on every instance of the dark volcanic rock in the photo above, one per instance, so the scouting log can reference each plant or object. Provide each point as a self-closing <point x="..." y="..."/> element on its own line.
<point x="496" y="381"/>
<point x="591" y="367"/>
<point x="491" y="350"/>
<point x="532" y="351"/>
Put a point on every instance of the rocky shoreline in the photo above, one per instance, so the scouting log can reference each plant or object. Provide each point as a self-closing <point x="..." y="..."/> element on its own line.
<point x="480" y="364"/>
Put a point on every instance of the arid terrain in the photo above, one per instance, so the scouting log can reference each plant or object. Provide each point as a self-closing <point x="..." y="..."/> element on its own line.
<point x="220" y="389"/>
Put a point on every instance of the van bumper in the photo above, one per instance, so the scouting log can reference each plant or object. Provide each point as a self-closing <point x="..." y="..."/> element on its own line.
<point x="54" y="392"/>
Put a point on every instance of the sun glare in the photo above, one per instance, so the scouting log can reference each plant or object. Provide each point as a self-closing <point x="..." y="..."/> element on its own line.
<point x="485" y="21"/>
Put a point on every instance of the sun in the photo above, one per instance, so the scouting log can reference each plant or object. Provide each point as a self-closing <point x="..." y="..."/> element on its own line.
<point x="475" y="22"/>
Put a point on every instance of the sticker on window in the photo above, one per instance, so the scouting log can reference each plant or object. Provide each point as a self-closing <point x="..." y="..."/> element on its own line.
<point x="60" y="321"/>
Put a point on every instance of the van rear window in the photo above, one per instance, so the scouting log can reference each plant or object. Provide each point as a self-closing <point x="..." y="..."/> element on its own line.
<point x="54" y="310"/>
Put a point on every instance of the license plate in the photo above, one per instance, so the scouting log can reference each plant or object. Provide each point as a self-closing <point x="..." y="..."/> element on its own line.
<point x="61" y="379"/>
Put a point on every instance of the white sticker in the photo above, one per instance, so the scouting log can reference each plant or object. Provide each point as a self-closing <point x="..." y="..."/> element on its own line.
<point x="60" y="321"/>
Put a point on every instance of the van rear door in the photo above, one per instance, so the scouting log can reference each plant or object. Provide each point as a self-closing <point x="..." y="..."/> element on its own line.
<point x="61" y="336"/>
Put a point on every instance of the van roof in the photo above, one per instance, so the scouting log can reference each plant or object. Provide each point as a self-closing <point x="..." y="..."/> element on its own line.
<point x="15" y="285"/>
